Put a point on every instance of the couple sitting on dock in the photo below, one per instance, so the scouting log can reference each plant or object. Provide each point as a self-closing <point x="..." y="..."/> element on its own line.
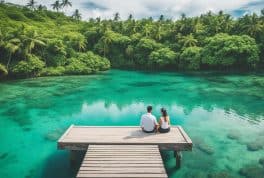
<point x="149" y="122"/>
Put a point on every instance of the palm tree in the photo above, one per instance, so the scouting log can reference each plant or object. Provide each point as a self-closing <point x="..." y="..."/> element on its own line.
<point x="107" y="40"/>
<point x="65" y="3"/>
<point x="77" y="15"/>
<point x="56" y="6"/>
<point x="161" y="18"/>
<point x="41" y="7"/>
<point x="2" y="38"/>
<point x="116" y="16"/>
<point x="80" y="43"/>
<point x="12" y="46"/>
<point x="30" y="40"/>
<point x="189" y="41"/>
<point x="130" y="51"/>
<point x="31" y="4"/>
<point x="98" y="19"/>
<point x="183" y="16"/>
<point x="130" y="17"/>
<point x="135" y="26"/>
<point x="252" y="25"/>
<point x="158" y="34"/>
<point x="147" y="30"/>
<point x="3" y="70"/>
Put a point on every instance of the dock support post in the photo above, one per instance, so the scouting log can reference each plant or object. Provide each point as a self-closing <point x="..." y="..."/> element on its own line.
<point x="178" y="156"/>
<point x="72" y="157"/>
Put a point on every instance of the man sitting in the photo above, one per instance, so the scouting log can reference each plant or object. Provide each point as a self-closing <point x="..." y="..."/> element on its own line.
<point x="148" y="121"/>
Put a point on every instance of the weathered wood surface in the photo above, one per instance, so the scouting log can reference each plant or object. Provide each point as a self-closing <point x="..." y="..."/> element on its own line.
<point x="79" y="137"/>
<point x="122" y="161"/>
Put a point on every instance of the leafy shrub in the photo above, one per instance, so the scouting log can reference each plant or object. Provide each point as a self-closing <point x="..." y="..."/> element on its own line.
<point x="55" y="53"/>
<point x="77" y="67"/>
<point x="30" y="67"/>
<point x="96" y="62"/>
<point x="190" y="58"/>
<point x="16" y="15"/>
<point x="162" y="57"/>
<point x="86" y="63"/>
<point x="34" y="16"/>
<point x="223" y="50"/>
<point x="52" y="71"/>
<point x="143" y="49"/>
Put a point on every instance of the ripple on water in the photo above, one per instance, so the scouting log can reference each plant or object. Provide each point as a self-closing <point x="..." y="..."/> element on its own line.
<point x="143" y="84"/>
<point x="122" y="90"/>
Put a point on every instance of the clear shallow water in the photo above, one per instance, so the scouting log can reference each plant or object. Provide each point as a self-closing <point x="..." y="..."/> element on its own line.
<point x="222" y="114"/>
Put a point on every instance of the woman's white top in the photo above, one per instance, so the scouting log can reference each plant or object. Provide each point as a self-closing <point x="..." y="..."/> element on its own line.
<point x="164" y="124"/>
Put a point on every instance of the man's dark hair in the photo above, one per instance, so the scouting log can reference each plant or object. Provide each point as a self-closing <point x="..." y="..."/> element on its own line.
<point x="149" y="108"/>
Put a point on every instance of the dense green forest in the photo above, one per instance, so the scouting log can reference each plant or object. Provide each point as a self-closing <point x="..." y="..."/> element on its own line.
<point x="35" y="41"/>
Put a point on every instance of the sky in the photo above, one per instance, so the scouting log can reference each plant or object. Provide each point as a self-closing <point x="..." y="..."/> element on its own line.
<point x="154" y="8"/>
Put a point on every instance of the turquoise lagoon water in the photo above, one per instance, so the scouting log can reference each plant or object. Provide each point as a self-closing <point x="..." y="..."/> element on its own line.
<point x="223" y="114"/>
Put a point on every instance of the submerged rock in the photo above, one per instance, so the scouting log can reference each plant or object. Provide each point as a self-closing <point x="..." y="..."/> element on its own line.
<point x="261" y="161"/>
<point x="122" y="90"/>
<point x="195" y="175"/>
<point x="19" y="115"/>
<point x="3" y="155"/>
<point x="254" y="146"/>
<point x="252" y="171"/>
<point x="168" y="89"/>
<point x="220" y="175"/>
<point x="205" y="148"/>
<point x="54" y="135"/>
<point x="233" y="135"/>
<point x="26" y="129"/>
<point x="30" y="174"/>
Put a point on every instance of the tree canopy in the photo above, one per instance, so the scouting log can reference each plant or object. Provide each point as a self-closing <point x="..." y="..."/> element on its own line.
<point x="35" y="41"/>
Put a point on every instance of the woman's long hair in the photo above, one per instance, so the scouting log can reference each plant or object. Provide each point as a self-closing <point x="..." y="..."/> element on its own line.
<point x="164" y="114"/>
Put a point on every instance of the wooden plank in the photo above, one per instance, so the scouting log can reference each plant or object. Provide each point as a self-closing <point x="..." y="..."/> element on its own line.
<point x="79" y="137"/>
<point x="122" y="146"/>
<point x="84" y="146"/>
<point x="120" y="161"/>
<point x="65" y="133"/>
<point x="107" y="165"/>
<point x="124" y="170"/>
<point x="186" y="137"/>
<point x="88" y="175"/>
<point x="125" y="164"/>
<point x="122" y="151"/>
<point x="122" y="156"/>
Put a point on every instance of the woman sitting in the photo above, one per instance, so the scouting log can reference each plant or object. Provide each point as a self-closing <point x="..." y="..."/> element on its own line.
<point x="164" y="122"/>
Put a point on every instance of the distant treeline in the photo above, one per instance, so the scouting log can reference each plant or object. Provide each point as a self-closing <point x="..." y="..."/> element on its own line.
<point x="35" y="41"/>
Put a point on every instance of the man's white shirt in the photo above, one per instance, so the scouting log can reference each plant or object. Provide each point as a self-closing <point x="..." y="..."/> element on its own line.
<point x="148" y="122"/>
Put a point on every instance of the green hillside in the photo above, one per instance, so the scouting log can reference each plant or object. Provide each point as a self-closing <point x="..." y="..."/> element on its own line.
<point x="37" y="42"/>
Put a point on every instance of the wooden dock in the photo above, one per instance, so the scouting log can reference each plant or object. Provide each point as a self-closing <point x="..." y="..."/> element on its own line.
<point x="122" y="161"/>
<point x="115" y="151"/>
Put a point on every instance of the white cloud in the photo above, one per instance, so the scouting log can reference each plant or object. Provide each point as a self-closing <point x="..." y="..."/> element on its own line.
<point x="154" y="8"/>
